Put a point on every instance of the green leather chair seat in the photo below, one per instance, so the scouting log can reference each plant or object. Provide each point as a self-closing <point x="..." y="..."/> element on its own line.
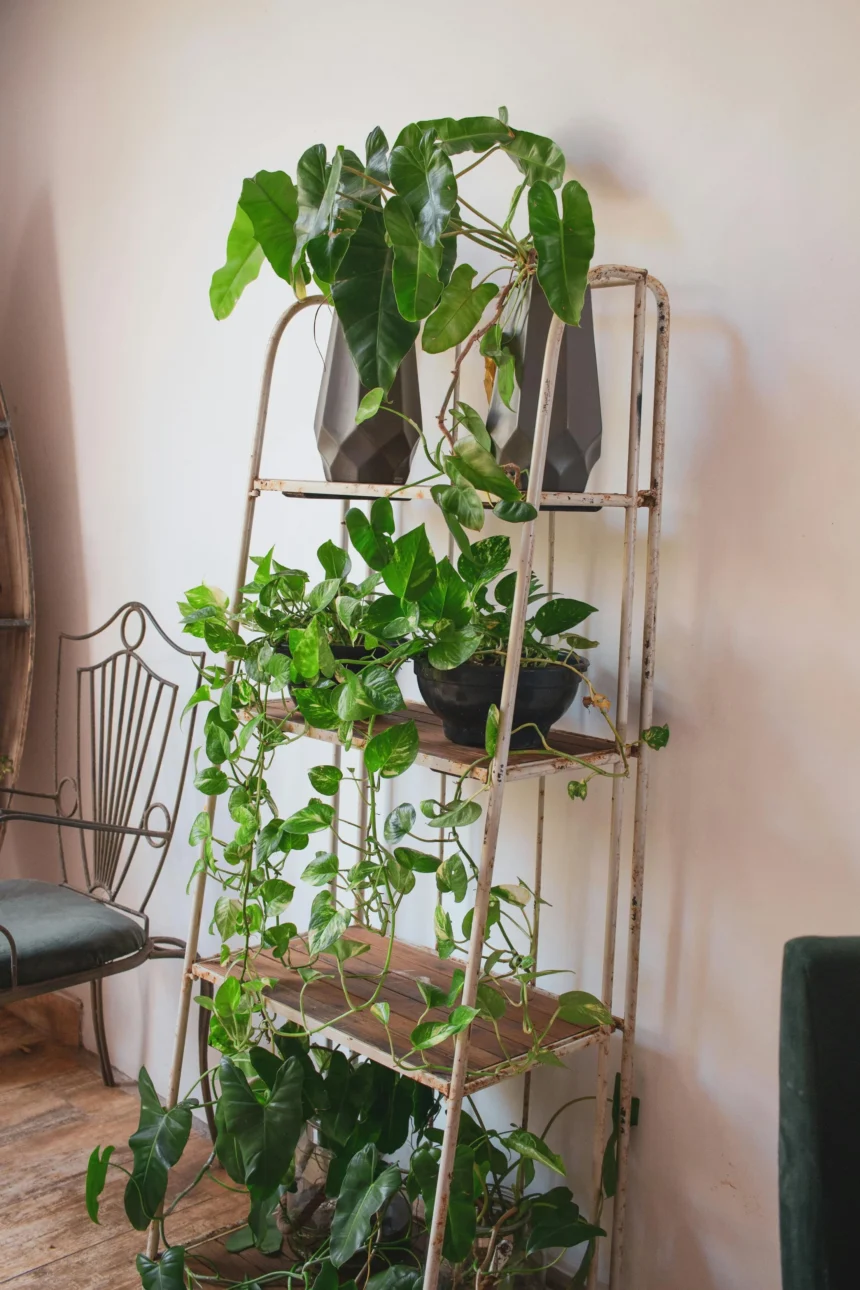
<point x="59" y="932"/>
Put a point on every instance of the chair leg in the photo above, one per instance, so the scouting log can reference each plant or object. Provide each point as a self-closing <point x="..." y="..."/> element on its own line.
<point x="207" y="989"/>
<point x="101" y="1036"/>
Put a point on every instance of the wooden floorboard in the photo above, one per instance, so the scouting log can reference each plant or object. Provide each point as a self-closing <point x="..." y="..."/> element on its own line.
<point x="53" y="1110"/>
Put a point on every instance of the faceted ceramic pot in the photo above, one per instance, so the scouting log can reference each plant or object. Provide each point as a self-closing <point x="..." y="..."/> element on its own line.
<point x="462" y="696"/>
<point x="575" y="427"/>
<point x="378" y="451"/>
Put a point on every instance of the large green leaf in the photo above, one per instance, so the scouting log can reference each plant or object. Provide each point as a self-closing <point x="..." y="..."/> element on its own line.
<point x="422" y="174"/>
<point x="461" y="500"/>
<point x="583" y="1009"/>
<point x="317" y="182"/>
<point x="377" y="334"/>
<point x="427" y="1034"/>
<point x="399" y="822"/>
<point x="485" y="559"/>
<point x="456" y="816"/>
<point x="561" y="614"/>
<point x="97" y="1170"/>
<point x="156" y="1145"/>
<point x="266" y="1134"/>
<point x="166" y="1273"/>
<point x="376" y="151"/>
<point x="392" y="751"/>
<point x="461" y="1223"/>
<point x="480" y="468"/>
<point x="459" y="311"/>
<point x="469" y="133"/>
<point x="371" y="543"/>
<point x="564" y="246"/>
<point x="327" y="923"/>
<point x="537" y="157"/>
<point x="388" y="617"/>
<point x="244" y="259"/>
<point x="555" y="1222"/>
<point x="417" y="285"/>
<point x="365" y="1189"/>
<point x="382" y="689"/>
<point x="311" y="818"/>
<point x="534" y="1148"/>
<point x="447" y="597"/>
<point x="270" y="200"/>
<point x="453" y="646"/>
<point x="317" y="708"/>
<point x="399" y="1277"/>
<point x="411" y="571"/>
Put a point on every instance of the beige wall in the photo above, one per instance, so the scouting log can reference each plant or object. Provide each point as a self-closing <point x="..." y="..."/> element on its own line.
<point x="718" y="142"/>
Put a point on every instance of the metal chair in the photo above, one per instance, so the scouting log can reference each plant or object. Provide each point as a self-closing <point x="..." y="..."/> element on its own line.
<point x="115" y="719"/>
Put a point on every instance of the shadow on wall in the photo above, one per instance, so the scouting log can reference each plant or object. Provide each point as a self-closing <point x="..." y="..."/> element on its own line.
<point x="36" y="378"/>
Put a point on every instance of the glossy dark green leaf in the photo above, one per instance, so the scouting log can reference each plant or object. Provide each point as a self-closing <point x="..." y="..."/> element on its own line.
<point x="580" y="1008"/>
<point x="244" y="260"/>
<point x="469" y="133"/>
<point x="369" y="405"/>
<point x="446" y="598"/>
<point x="461" y="1223"/>
<point x="376" y="548"/>
<point x="270" y="200"/>
<point x="534" y="1148"/>
<point x="481" y="469"/>
<point x="400" y="877"/>
<point x="323" y="593"/>
<point x="655" y="737"/>
<point x="461" y="500"/>
<point x="465" y="415"/>
<point x="392" y="751"/>
<point x="325" y="779"/>
<point x="555" y="1222"/>
<point x="411" y="571"/>
<point x="397" y="1278"/>
<point x="417" y="285"/>
<point x="422" y="174"/>
<point x="311" y="818"/>
<point x="334" y="560"/>
<point x="456" y="816"/>
<point x="157" y="1144"/>
<point x="399" y="822"/>
<point x="536" y="157"/>
<point x="459" y="311"/>
<point x="515" y="512"/>
<point x="388" y="617"/>
<point x="382" y="516"/>
<point x="427" y="1034"/>
<point x="564" y="246"/>
<point x="211" y="781"/>
<point x="420" y="861"/>
<point x="97" y="1171"/>
<point x="266" y="1133"/>
<point x="164" y="1273"/>
<point x="376" y="152"/>
<point x="485" y="560"/>
<point x="327" y="923"/>
<point x="451" y="877"/>
<point x="453" y="646"/>
<point x="561" y="614"/>
<point x="381" y="688"/>
<point x="378" y="336"/>
<point x="317" y="184"/>
<point x="352" y="701"/>
<point x="365" y="1189"/>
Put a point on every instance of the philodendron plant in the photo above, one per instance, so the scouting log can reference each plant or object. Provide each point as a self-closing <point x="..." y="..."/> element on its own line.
<point x="338" y="1156"/>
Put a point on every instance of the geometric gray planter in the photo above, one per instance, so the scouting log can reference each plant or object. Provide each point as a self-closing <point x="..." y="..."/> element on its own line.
<point x="576" y="425"/>
<point x="378" y="451"/>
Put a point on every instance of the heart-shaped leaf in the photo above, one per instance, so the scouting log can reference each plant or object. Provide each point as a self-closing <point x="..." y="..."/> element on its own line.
<point x="321" y="870"/>
<point x="561" y="614"/>
<point x="430" y="1033"/>
<point x="327" y="923"/>
<point x="422" y="175"/>
<point x="369" y="405"/>
<point x="325" y="779"/>
<point x="165" y="1273"/>
<point x="583" y="1009"/>
<point x="157" y="1144"/>
<point x="270" y="199"/>
<point x="399" y="822"/>
<point x="365" y="1188"/>
<point x="311" y="818"/>
<point x="411" y="571"/>
<point x="534" y="1148"/>
<point x="564" y="246"/>
<point x="373" y="545"/>
<point x="392" y="751"/>
<point x="265" y="1134"/>
<point x="453" y="646"/>
<point x="461" y="500"/>
<point x="446" y="598"/>
<point x="481" y="469"/>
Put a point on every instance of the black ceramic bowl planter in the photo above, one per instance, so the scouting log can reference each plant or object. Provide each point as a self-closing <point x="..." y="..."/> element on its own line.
<point x="462" y="696"/>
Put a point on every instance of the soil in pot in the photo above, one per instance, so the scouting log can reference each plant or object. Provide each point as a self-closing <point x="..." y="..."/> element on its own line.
<point x="462" y="697"/>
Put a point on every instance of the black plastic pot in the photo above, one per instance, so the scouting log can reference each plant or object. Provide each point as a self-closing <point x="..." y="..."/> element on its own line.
<point x="462" y="697"/>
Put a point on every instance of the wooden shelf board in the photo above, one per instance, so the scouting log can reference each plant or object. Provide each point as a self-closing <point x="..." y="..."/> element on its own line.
<point x="324" y="1006"/>
<point x="437" y="752"/>
<point x="312" y="488"/>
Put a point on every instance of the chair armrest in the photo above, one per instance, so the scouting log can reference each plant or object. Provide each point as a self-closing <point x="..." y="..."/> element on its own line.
<point x="72" y="822"/>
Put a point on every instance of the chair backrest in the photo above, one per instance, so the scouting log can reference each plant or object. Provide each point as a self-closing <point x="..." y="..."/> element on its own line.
<point x="131" y="756"/>
<point x="819" y="1113"/>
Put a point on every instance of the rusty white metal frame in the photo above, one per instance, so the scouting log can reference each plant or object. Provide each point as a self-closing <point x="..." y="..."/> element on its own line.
<point x="630" y="501"/>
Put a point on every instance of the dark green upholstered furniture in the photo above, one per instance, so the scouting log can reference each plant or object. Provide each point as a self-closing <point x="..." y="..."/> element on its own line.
<point x="119" y="720"/>
<point x="819" y="1114"/>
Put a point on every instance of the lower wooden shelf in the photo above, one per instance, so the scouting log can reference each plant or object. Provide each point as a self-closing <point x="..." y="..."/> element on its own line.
<point x="492" y="1057"/>
<point x="437" y="752"/>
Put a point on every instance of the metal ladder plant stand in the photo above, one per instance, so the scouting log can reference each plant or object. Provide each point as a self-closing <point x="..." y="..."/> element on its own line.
<point x="464" y="1079"/>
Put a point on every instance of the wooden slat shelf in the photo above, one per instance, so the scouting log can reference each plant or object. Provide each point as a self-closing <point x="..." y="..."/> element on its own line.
<point x="324" y="1006"/>
<point x="437" y="752"/>
<point x="313" y="488"/>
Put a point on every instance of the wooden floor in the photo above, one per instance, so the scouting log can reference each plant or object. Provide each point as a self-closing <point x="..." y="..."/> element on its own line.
<point x="53" y="1110"/>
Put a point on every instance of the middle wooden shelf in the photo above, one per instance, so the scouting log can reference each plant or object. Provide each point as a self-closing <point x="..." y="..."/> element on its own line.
<point x="437" y="752"/>
<point x="496" y="1052"/>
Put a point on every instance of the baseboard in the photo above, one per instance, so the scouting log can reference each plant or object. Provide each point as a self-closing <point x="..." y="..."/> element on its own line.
<point x="57" y="1016"/>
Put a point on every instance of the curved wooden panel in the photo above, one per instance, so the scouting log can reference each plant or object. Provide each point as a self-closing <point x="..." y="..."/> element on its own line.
<point x="16" y="605"/>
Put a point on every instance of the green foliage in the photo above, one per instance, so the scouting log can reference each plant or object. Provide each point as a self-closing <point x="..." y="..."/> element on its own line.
<point x="156" y="1145"/>
<point x="167" y="1273"/>
<point x="97" y="1171"/>
<point x="367" y="1185"/>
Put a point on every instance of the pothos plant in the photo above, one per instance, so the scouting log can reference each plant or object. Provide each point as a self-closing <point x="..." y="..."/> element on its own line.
<point x="380" y="238"/>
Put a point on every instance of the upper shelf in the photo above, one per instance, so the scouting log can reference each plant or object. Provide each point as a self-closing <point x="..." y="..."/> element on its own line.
<point x="437" y="752"/>
<point x="493" y="1056"/>
<point x="418" y="493"/>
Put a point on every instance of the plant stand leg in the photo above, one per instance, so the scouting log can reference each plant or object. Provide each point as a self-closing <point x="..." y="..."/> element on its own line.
<point x="97" y="999"/>
<point x="499" y="767"/>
